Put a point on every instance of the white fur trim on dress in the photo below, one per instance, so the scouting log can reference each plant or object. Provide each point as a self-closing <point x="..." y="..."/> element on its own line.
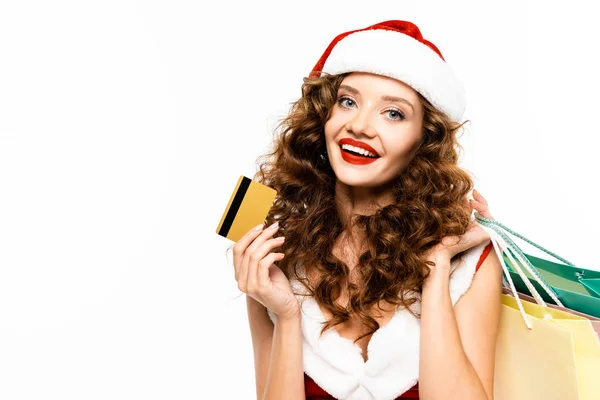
<point x="336" y="363"/>
<point x="402" y="57"/>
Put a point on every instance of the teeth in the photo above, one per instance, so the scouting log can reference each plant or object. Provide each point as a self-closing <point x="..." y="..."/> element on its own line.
<point x="358" y="150"/>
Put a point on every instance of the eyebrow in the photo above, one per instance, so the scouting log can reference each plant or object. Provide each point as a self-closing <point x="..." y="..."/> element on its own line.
<point x="386" y="98"/>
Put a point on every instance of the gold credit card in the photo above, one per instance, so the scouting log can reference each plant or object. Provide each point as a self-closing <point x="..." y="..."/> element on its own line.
<point x="248" y="207"/>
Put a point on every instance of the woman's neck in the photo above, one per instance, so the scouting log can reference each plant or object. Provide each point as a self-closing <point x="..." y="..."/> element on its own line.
<point x="352" y="200"/>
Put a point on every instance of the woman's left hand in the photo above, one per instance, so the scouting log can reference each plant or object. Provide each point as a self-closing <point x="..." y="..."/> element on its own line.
<point x="442" y="253"/>
<point x="480" y="204"/>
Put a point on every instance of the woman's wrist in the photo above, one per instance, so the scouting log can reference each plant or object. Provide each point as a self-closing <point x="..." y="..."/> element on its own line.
<point x="439" y="273"/>
<point x="289" y="316"/>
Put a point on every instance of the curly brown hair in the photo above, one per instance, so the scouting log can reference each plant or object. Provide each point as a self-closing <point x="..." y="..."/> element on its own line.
<point x="431" y="197"/>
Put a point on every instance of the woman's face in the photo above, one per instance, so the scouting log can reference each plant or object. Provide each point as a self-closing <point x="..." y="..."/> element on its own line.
<point x="370" y="109"/>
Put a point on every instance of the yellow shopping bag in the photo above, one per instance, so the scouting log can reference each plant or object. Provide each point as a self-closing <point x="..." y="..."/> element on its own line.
<point x="559" y="358"/>
<point x="541" y="353"/>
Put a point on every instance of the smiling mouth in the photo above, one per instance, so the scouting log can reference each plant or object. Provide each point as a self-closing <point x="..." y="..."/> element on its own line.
<point x="357" y="159"/>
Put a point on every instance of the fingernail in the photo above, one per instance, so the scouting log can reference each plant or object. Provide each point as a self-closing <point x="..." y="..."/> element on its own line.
<point x="257" y="228"/>
<point x="274" y="225"/>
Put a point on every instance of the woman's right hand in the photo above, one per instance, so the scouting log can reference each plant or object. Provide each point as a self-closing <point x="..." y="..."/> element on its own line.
<point x="258" y="276"/>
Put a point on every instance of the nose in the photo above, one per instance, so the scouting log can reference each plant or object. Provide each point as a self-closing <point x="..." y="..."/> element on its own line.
<point x="360" y="123"/>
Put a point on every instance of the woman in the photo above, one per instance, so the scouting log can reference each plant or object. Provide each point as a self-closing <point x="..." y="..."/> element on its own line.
<point x="377" y="242"/>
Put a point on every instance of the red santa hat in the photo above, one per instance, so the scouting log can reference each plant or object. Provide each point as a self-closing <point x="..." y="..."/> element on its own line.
<point x="398" y="50"/>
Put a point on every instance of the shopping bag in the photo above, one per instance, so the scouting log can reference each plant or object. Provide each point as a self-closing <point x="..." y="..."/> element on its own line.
<point x="584" y="348"/>
<point x="575" y="301"/>
<point x="553" y="354"/>
<point x="577" y="288"/>
<point x="533" y="364"/>
<point x="575" y="292"/>
<point x="567" y="276"/>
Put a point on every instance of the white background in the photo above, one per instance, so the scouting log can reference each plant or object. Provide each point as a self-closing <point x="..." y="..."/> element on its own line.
<point x="125" y="125"/>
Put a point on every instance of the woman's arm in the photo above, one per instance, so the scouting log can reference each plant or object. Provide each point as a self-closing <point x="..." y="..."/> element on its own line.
<point x="261" y="331"/>
<point x="457" y="350"/>
<point x="277" y="354"/>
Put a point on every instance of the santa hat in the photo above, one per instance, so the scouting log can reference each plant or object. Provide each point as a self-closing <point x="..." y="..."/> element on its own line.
<point x="398" y="50"/>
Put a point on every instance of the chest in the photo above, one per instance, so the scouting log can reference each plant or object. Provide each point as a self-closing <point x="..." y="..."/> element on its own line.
<point x="354" y="328"/>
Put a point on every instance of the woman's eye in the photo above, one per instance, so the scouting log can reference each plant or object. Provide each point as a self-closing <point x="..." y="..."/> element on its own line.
<point x="342" y="99"/>
<point x="399" y="115"/>
<point x="395" y="115"/>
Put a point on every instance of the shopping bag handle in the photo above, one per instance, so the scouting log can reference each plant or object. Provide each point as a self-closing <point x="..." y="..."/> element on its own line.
<point x="512" y="247"/>
<point x="487" y="221"/>
<point x="502" y="242"/>
<point x="496" y="239"/>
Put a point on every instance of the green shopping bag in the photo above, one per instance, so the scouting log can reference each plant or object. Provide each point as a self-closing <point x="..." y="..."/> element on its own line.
<point x="577" y="301"/>
<point x="592" y="284"/>
<point x="575" y="288"/>
<point x="568" y="277"/>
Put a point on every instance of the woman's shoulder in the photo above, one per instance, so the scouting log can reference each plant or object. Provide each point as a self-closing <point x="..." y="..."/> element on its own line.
<point x="464" y="269"/>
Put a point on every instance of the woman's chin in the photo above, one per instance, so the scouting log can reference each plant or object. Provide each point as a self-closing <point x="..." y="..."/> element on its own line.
<point x="356" y="178"/>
